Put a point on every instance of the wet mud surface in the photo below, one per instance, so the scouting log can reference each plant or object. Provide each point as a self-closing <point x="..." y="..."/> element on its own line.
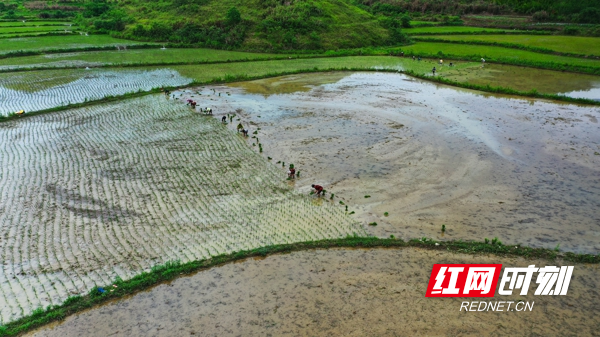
<point x="525" y="171"/>
<point x="341" y="292"/>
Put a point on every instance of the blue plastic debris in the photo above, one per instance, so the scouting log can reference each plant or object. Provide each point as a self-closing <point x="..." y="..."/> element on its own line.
<point x="101" y="290"/>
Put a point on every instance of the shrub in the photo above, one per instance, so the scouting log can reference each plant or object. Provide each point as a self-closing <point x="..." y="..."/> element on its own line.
<point x="571" y="31"/>
<point x="405" y="19"/>
<point x="541" y="16"/>
<point x="589" y="15"/>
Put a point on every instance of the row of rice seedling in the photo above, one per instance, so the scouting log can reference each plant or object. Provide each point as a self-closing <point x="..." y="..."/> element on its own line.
<point x="31" y="91"/>
<point x="111" y="190"/>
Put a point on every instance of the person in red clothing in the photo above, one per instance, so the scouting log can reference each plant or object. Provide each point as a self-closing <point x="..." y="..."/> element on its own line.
<point x="318" y="189"/>
<point x="292" y="173"/>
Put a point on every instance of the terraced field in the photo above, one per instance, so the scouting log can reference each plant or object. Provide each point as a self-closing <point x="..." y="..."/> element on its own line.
<point x="60" y="42"/>
<point x="33" y="23"/>
<point x="131" y="56"/>
<point x="39" y="90"/>
<point x="565" y="44"/>
<point x="453" y="29"/>
<point x="111" y="190"/>
<point x="492" y="53"/>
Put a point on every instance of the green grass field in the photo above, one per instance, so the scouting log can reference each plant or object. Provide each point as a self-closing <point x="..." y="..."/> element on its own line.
<point x="491" y="53"/>
<point x="207" y="72"/>
<point x="424" y="23"/>
<point x="24" y="30"/>
<point x="452" y="29"/>
<point x="32" y="23"/>
<point x="59" y="42"/>
<point x="564" y="44"/>
<point x="135" y="56"/>
<point x="27" y="34"/>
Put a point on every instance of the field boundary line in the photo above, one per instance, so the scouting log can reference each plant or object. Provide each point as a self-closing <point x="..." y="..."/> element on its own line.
<point x="174" y="269"/>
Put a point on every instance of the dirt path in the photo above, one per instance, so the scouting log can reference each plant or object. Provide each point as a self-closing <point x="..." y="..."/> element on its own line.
<point x="526" y="171"/>
<point x="335" y="293"/>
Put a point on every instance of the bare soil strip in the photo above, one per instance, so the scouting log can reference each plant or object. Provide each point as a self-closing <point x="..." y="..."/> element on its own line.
<point x="337" y="292"/>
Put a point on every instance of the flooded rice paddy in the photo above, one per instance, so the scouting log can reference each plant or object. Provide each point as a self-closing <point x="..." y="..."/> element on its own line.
<point x="110" y="190"/>
<point x="337" y="292"/>
<point x="525" y="171"/>
<point x="39" y="90"/>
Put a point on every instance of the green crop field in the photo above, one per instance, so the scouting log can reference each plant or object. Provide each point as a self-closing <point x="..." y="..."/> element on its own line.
<point x="60" y="42"/>
<point x="22" y="30"/>
<point x="32" y="23"/>
<point x="492" y="52"/>
<point x="261" y="68"/>
<point x="26" y="34"/>
<point x="563" y="44"/>
<point x="452" y="29"/>
<point x="141" y="56"/>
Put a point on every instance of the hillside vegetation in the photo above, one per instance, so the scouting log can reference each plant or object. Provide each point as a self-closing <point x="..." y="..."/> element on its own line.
<point x="253" y="25"/>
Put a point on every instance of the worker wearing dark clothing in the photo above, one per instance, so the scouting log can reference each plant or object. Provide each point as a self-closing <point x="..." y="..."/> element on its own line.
<point x="318" y="189"/>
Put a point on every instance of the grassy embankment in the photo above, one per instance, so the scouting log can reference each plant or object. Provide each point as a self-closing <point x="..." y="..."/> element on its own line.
<point x="172" y="270"/>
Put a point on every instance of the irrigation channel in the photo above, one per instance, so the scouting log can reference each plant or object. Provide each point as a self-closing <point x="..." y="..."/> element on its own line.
<point x="525" y="171"/>
<point x="338" y="292"/>
<point x="113" y="189"/>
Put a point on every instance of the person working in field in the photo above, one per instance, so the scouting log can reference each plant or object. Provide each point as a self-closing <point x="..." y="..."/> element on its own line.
<point x="318" y="189"/>
<point x="433" y="71"/>
<point x="224" y="119"/>
<point x="245" y="132"/>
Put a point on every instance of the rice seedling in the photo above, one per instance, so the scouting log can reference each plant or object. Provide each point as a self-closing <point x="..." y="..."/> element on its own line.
<point x="179" y="194"/>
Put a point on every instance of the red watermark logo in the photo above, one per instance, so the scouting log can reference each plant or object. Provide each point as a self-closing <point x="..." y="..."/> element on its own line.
<point x="463" y="280"/>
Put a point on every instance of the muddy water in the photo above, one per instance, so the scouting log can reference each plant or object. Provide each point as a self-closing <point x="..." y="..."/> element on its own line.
<point x="526" y="79"/>
<point x="525" y="171"/>
<point x="336" y="293"/>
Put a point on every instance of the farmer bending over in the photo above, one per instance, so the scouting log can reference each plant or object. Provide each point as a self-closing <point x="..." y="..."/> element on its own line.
<point x="224" y="119"/>
<point x="433" y="71"/>
<point x="318" y="188"/>
<point x="292" y="173"/>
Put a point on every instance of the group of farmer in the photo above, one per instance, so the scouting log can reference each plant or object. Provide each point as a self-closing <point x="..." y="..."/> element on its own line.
<point x="292" y="174"/>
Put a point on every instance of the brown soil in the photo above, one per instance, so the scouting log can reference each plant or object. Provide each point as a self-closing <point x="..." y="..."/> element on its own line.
<point x="523" y="170"/>
<point x="379" y="292"/>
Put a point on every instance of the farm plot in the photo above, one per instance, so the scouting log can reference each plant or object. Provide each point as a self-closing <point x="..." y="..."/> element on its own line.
<point x="453" y="29"/>
<point x="491" y="53"/>
<point x="38" y="90"/>
<point x="111" y="190"/>
<point x="564" y="44"/>
<point x="60" y="42"/>
<point x="33" y="23"/>
<point x="30" y="29"/>
<point x="131" y="56"/>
